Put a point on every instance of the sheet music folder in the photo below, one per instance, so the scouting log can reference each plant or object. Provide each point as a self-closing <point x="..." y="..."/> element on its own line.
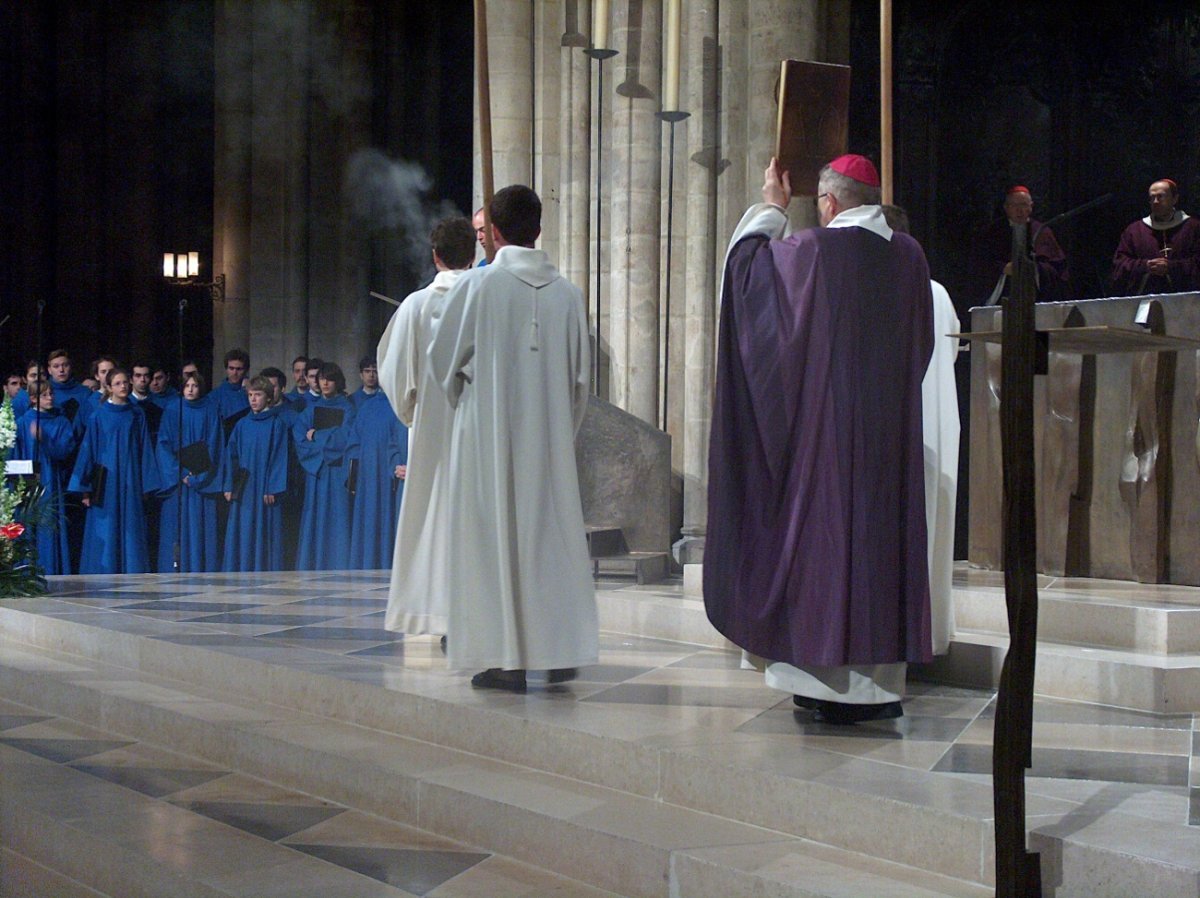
<point x="813" y="120"/>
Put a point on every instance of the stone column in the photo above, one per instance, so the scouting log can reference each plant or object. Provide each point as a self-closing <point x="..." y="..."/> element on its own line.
<point x="635" y="191"/>
<point x="510" y="69"/>
<point x="233" y="24"/>
<point x="574" y="138"/>
<point x="701" y="168"/>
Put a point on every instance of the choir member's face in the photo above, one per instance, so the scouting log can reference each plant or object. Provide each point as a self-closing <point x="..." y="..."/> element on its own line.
<point x="141" y="379"/>
<point x="60" y="369"/>
<point x="235" y="371"/>
<point x="299" y="375"/>
<point x="311" y="376"/>
<point x="91" y="383"/>
<point x="328" y="387"/>
<point x="118" y="386"/>
<point x="1018" y="207"/>
<point x="188" y="371"/>
<point x="477" y="222"/>
<point x="158" y="381"/>
<point x="102" y="369"/>
<point x="277" y="396"/>
<point x="191" y="389"/>
<point x="258" y="400"/>
<point x="1162" y="200"/>
<point x="46" y="400"/>
<point x="33" y="374"/>
<point x="13" y="385"/>
<point x="370" y="377"/>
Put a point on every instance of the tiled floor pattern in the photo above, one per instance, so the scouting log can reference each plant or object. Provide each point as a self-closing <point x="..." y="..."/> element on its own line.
<point x="199" y="815"/>
<point x="1144" y="764"/>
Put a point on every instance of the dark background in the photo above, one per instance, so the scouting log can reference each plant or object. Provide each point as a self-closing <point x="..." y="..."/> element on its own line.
<point x="106" y="159"/>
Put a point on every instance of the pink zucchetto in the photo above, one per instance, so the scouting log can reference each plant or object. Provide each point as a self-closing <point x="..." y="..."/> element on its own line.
<point x="860" y="168"/>
<point x="1018" y="188"/>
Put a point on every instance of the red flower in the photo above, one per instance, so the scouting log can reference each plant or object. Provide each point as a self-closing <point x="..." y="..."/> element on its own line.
<point x="12" y="531"/>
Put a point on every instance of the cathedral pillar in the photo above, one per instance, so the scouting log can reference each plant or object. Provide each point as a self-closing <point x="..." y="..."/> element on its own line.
<point x="635" y="192"/>
<point x="701" y="167"/>
<point x="510" y="75"/>
<point x="574" y="137"/>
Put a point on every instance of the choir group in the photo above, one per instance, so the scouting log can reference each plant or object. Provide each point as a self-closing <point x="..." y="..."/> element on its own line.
<point x="142" y="477"/>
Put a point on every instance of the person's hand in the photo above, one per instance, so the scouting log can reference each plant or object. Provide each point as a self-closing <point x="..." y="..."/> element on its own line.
<point x="268" y="499"/>
<point x="187" y="479"/>
<point x="777" y="187"/>
<point x="1008" y="269"/>
<point x="229" y="497"/>
<point x="401" y="471"/>
<point x="308" y="436"/>
<point x="1157" y="266"/>
<point x="87" y="500"/>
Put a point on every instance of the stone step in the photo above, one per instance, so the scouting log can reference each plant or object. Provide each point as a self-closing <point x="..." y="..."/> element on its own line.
<point x="622" y="843"/>
<point x="1123" y="679"/>
<point x="644" y="567"/>
<point x="1143" y="618"/>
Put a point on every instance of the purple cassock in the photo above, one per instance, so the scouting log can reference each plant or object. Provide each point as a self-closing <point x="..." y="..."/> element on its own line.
<point x="1140" y="243"/>
<point x="816" y="547"/>
<point x="993" y="249"/>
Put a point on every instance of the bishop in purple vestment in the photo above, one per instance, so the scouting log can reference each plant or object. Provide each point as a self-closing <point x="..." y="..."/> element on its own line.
<point x="815" y="560"/>
<point x="1161" y="252"/>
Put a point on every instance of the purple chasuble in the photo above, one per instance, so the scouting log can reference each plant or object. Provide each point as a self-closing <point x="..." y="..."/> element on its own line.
<point x="992" y="250"/>
<point x="1140" y="243"/>
<point x="816" y="547"/>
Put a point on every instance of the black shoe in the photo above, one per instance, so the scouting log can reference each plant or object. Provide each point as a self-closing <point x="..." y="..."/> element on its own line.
<point x="803" y="701"/>
<point x="443" y="643"/>
<point x="843" y="714"/>
<point x="496" y="678"/>
<point x="561" y="674"/>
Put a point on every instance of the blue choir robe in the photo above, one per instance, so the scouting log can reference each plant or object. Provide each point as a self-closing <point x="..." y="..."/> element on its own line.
<point x="293" y="499"/>
<point x="325" y="522"/>
<point x="228" y="399"/>
<point x="359" y="396"/>
<point x="54" y="446"/>
<point x="73" y="389"/>
<point x="189" y="512"/>
<point x="114" y="534"/>
<point x="20" y="404"/>
<point x="254" y="534"/>
<point x="379" y="442"/>
<point x="166" y="397"/>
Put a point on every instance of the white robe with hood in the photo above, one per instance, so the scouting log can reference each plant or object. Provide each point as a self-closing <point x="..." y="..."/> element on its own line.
<point x="510" y="351"/>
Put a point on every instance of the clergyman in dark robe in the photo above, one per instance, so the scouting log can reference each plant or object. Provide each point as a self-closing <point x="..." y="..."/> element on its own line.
<point x="1161" y="252"/>
<point x="815" y="562"/>
<point x="991" y="259"/>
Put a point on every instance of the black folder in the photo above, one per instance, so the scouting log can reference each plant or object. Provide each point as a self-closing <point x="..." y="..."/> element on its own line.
<point x="240" y="476"/>
<point x="326" y="416"/>
<point x="196" y="458"/>
<point x="99" y="482"/>
<point x="70" y="408"/>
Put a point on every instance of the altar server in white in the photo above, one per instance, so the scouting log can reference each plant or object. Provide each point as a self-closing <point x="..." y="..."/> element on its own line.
<point x="418" y="596"/>
<point x="511" y="354"/>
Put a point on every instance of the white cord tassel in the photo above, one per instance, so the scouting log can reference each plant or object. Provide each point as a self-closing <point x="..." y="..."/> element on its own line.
<point x="533" y="327"/>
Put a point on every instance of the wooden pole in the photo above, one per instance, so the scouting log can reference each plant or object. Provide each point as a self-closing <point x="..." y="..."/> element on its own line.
<point x="485" y="124"/>
<point x="885" y="99"/>
<point x="1018" y="872"/>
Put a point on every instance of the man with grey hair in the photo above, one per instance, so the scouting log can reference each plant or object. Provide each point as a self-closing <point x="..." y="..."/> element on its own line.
<point x="815" y="562"/>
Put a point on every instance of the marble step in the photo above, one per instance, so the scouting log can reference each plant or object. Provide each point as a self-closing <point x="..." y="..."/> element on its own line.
<point x="1121" y="678"/>
<point x="1144" y="618"/>
<point x="627" y="844"/>
<point x="937" y="824"/>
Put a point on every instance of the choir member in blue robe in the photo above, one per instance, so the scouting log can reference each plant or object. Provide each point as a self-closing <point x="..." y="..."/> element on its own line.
<point x="162" y="393"/>
<point x="311" y="378"/>
<point x="379" y="453"/>
<point x="300" y="374"/>
<point x="69" y="394"/>
<point x="189" y="512"/>
<point x="325" y="522"/>
<point x="230" y="397"/>
<point x="258" y="445"/>
<point x="45" y="433"/>
<point x="292" y="501"/>
<point x="117" y="441"/>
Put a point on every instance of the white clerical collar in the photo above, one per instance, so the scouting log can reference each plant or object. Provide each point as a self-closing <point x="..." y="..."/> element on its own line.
<point x="1177" y="218"/>
<point x="867" y="217"/>
<point x="529" y="265"/>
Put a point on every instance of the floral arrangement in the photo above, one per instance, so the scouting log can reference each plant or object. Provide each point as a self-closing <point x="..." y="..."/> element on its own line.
<point x="20" y="504"/>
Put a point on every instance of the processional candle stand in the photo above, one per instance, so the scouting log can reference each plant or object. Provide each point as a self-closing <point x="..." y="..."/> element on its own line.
<point x="599" y="52"/>
<point x="672" y="115"/>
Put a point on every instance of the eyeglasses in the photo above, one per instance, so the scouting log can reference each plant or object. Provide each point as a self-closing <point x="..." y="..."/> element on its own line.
<point x="817" y="199"/>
